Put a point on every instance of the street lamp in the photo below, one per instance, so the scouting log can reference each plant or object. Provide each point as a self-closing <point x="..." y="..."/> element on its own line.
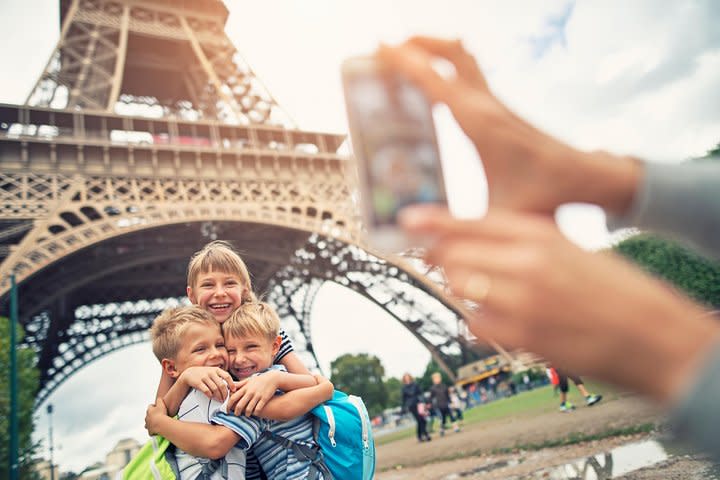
<point x="50" y="435"/>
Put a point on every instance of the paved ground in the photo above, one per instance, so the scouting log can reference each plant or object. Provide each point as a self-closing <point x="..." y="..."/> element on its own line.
<point x="473" y="453"/>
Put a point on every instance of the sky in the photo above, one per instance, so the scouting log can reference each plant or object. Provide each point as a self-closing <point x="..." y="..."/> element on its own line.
<point x="636" y="77"/>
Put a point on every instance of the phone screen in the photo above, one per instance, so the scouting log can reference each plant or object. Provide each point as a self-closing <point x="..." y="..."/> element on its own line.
<point x="394" y="140"/>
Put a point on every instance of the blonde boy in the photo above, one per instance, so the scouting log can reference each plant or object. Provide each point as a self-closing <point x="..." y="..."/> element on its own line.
<point x="187" y="337"/>
<point x="252" y="341"/>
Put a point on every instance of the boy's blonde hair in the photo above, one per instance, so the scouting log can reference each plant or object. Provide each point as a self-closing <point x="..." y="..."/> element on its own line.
<point x="168" y="328"/>
<point x="253" y="319"/>
<point x="220" y="256"/>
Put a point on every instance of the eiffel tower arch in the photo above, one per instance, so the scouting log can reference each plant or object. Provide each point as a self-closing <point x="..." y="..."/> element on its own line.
<point x="145" y="137"/>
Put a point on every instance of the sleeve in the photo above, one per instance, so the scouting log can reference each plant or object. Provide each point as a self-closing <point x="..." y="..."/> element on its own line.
<point x="285" y="347"/>
<point x="198" y="408"/>
<point x="680" y="200"/>
<point x="248" y="428"/>
<point x="696" y="419"/>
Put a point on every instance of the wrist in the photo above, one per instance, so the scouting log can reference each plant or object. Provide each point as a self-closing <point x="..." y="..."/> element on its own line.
<point x="700" y="338"/>
<point x="607" y="180"/>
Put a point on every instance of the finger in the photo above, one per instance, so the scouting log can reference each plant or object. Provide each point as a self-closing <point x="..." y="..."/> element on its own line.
<point x="454" y="52"/>
<point x="494" y="293"/>
<point x="259" y="406"/>
<point x="497" y="224"/>
<point x="250" y="409"/>
<point x="241" y="404"/>
<point x="416" y="65"/>
<point x="220" y="387"/>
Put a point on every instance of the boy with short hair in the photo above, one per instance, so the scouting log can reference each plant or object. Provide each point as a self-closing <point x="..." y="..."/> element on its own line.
<point x="251" y="336"/>
<point x="187" y="337"/>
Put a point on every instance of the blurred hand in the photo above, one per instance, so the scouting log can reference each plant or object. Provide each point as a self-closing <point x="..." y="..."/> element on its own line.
<point x="154" y="412"/>
<point x="211" y="381"/>
<point x="592" y="312"/>
<point x="252" y="394"/>
<point x="526" y="168"/>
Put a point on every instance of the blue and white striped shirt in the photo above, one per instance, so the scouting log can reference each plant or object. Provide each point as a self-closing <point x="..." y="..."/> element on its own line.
<point x="277" y="462"/>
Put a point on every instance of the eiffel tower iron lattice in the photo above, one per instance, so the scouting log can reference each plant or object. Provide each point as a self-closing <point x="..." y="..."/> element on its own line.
<point x="145" y="137"/>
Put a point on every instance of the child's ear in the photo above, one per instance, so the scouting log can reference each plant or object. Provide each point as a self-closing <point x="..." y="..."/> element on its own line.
<point x="276" y="345"/>
<point x="191" y="295"/>
<point x="168" y="367"/>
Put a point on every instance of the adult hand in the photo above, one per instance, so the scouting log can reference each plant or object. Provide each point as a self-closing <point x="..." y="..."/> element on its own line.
<point x="252" y="394"/>
<point x="593" y="312"/>
<point x="153" y="414"/>
<point x="211" y="381"/>
<point x="526" y="169"/>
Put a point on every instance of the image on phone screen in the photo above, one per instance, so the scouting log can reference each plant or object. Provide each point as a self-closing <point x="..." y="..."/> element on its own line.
<point x="394" y="139"/>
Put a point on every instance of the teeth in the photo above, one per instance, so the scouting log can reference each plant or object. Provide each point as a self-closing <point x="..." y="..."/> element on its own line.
<point x="224" y="305"/>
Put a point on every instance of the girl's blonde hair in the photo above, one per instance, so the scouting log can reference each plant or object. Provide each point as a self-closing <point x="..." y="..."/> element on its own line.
<point x="220" y="256"/>
<point x="168" y="328"/>
<point x="253" y="319"/>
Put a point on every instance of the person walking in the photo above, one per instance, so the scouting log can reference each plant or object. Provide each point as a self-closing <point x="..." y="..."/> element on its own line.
<point x="412" y="395"/>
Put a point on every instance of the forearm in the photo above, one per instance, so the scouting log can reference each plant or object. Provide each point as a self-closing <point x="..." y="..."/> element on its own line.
<point x="293" y="364"/>
<point x="292" y="381"/>
<point x="166" y="382"/>
<point x="603" y="179"/>
<point x="198" y="439"/>
<point x="297" y="402"/>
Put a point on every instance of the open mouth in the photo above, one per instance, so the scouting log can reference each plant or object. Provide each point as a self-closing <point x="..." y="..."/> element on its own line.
<point x="220" y="307"/>
<point x="243" y="372"/>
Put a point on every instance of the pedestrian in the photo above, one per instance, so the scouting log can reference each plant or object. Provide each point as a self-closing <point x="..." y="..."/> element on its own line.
<point x="412" y="397"/>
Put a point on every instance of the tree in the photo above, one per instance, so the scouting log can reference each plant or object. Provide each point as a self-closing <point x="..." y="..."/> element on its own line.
<point x="28" y="380"/>
<point x="361" y="375"/>
<point x="697" y="276"/>
<point x="393" y="387"/>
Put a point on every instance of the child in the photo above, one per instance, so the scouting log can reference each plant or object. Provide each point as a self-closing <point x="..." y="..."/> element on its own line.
<point x="440" y="396"/>
<point x="185" y="337"/>
<point x="218" y="281"/>
<point x="252" y="340"/>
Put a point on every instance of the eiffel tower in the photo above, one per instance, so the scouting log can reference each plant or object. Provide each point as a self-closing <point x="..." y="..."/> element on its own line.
<point x="145" y="137"/>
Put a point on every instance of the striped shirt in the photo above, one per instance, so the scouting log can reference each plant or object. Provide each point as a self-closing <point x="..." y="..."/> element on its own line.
<point x="285" y="346"/>
<point x="277" y="462"/>
<point x="198" y="408"/>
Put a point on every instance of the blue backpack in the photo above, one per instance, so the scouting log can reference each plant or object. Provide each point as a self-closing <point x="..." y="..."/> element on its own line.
<point x="342" y="430"/>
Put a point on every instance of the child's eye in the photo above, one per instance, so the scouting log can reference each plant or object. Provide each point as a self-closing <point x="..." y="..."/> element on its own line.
<point x="231" y="351"/>
<point x="199" y="349"/>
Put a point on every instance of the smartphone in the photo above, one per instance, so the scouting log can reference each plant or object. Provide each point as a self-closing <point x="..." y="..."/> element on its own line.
<point x="394" y="142"/>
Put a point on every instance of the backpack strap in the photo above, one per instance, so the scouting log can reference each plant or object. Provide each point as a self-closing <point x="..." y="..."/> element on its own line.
<point x="171" y="460"/>
<point x="303" y="452"/>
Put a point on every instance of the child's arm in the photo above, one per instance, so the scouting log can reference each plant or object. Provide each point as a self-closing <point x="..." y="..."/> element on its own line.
<point x="213" y="382"/>
<point x="166" y="381"/>
<point x="292" y="363"/>
<point x="198" y="439"/>
<point x="298" y="402"/>
<point x="252" y="394"/>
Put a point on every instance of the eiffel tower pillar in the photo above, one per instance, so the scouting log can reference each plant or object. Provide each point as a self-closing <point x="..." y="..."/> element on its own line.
<point x="146" y="136"/>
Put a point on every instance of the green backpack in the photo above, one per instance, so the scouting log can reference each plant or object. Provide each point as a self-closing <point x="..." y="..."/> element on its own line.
<point x="154" y="461"/>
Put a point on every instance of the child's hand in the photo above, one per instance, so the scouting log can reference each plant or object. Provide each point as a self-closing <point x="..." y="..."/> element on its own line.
<point x="211" y="381"/>
<point x="154" y="412"/>
<point x="252" y="394"/>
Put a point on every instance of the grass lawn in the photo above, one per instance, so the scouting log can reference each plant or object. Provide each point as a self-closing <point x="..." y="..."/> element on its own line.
<point x="540" y="400"/>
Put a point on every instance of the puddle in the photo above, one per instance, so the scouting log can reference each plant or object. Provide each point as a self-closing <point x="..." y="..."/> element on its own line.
<point x="604" y="466"/>
<point x="613" y="464"/>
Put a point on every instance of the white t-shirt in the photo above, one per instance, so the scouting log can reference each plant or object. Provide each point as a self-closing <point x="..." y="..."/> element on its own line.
<point x="196" y="407"/>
